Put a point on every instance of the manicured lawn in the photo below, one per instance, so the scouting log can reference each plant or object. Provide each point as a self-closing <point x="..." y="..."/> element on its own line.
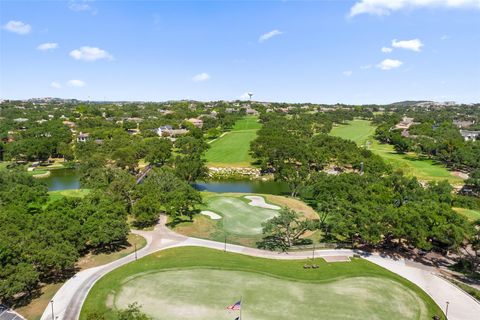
<point x="361" y="132"/>
<point x="472" y="215"/>
<point x="232" y="149"/>
<point x="35" y="308"/>
<point x="198" y="283"/>
<point x="240" y="222"/>
<point x="69" y="193"/>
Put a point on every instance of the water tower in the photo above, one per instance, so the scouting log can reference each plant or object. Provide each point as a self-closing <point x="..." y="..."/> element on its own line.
<point x="250" y="95"/>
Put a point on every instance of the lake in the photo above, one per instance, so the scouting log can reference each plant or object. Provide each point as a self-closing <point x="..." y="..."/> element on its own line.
<point x="63" y="179"/>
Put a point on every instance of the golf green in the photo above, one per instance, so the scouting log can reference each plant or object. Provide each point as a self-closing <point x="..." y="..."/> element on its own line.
<point x="199" y="283"/>
<point x="238" y="217"/>
<point x="362" y="131"/>
<point x="230" y="217"/>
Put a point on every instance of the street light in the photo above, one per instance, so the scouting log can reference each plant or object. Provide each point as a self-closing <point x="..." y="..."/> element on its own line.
<point x="135" y="250"/>
<point x="446" y="310"/>
<point x="53" y="314"/>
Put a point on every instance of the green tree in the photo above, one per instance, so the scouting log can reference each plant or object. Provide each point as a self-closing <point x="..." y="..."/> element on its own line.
<point x="158" y="151"/>
<point x="285" y="230"/>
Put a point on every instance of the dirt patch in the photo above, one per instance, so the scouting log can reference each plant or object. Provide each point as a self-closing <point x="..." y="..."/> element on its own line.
<point x="202" y="227"/>
<point x="337" y="259"/>
<point x="293" y="204"/>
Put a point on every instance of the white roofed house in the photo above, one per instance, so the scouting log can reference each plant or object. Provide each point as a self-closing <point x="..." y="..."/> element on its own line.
<point x="469" y="135"/>
<point x="83" y="137"/>
<point x="164" y="130"/>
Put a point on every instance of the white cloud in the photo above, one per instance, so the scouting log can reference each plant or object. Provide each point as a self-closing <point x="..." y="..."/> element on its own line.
<point x="201" y="77"/>
<point x="82" y="5"/>
<point x="414" y="44"/>
<point x="18" y="27"/>
<point x="264" y="37"/>
<point x="55" y="85"/>
<point x="76" y="83"/>
<point x="385" y="7"/>
<point x="47" y="46"/>
<point x="445" y="37"/>
<point x="386" y="49"/>
<point x="389" y="64"/>
<point x="365" y="67"/>
<point x="90" y="54"/>
<point x="347" y="73"/>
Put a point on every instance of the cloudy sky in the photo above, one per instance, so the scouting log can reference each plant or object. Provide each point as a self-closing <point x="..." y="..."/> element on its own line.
<point x="360" y="51"/>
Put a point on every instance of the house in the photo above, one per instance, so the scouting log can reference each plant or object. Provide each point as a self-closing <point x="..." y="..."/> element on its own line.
<point x="198" y="123"/>
<point x="470" y="135"/>
<point x="82" y="137"/>
<point x="405" y="123"/>
<point x="133" y="131"/>
<point x="463" y="124"/>
<point x="168" y="131"/>
<point x="164" y="130"/>
<point x="69" y="124"/>
<point x="251" y="111"/>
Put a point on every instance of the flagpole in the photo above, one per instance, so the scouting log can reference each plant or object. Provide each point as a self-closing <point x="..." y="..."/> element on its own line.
<point x="241" y="307"/>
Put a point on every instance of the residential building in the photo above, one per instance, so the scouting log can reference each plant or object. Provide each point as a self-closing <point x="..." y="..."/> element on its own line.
<point x="82" y="137"/>
<point x="469" y="135"/>
<point x="196" y="122"/>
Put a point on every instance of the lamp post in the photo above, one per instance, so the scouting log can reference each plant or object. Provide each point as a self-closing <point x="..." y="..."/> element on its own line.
<point x="225" y="244"/>
<point x="446" y="310"/>
<point x="53" y="313"/>
<point x="135" y="251"/>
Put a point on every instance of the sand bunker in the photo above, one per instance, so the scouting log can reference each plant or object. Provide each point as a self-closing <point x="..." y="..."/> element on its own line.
<point x="211" y="214"/>
<point x="256" y="201"/>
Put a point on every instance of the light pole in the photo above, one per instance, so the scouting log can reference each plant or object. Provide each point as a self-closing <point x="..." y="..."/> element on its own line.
<point x="446" y="310"/>
<point x="225" y="244"/>
<point x="135" y="250"/>
<point x="53" y="314"/>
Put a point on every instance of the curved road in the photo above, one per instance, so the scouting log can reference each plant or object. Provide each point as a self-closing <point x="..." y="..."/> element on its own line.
<point x="68" y="301"/>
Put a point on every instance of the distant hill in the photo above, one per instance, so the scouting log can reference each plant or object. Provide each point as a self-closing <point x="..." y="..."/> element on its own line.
<point x="408" y="103"/>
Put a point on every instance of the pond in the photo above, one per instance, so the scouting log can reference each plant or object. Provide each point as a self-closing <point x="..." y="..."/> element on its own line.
<point x="246" y="186"/>
<point x="63" y="179"/>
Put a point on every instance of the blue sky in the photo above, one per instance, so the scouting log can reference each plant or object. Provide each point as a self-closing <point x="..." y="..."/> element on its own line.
<point x="293" y="51"/>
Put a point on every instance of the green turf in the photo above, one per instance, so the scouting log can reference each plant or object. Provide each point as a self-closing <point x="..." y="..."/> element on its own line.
<point x="238" y="217"/>
<point x="472" y="215"/>
<point x="198" y="283"/>
<point x="73" y="193"/>
<point x="232" y="149"/>
<point x="361" y="132"/>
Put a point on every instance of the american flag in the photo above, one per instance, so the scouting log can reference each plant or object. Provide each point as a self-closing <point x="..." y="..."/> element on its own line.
<point x="236" y="306"/>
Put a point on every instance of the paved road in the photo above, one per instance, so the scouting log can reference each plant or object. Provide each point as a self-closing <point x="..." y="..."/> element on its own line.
<point x="68" y="301"/>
